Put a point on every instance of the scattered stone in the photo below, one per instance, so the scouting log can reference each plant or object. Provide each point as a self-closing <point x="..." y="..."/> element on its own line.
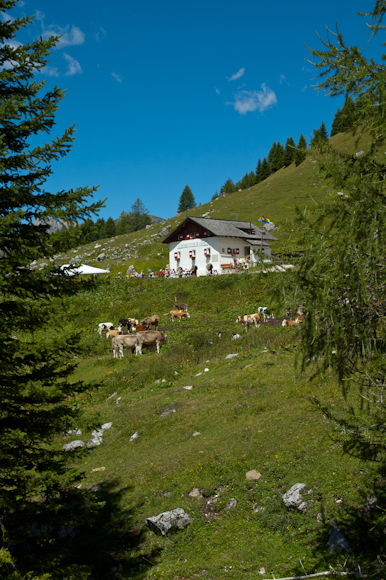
<point x="98" y="469"/>
<point x="252" y="475"/>
<point x="119" y="399"/>
<point x="157" y="382"/>
<point x="94" y="442"/>
<point x="134" y="437"/>
<point x="168" y="522"/>
<point x="257" y="508"/>
<point x="198" y="374"/>
<point x="371" y="502"/>
<point x="319" y="517"/>
<point x="261" y="571"/>
<point x="74" y="432"/>
<point x="106" y="426"/>
<point x="231" y="355"/>
<point x="196" y="433"/>
<point x="231" y="504"/>
<point x="73" y="445"/>
<point x="95" y="489"/>
<point x="195" y="492"/>
<point x="337" y="542"/>
<point x="206" y="370"/>
<point x="167" y="412"/>
<point x="293" y="500"/>
<point x="101" y="257"/>
<point x="236" y="336"/>
<point x="188" y="388"/>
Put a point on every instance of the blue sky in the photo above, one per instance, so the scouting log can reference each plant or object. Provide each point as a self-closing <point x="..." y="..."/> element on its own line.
<point x="173" y="92"/>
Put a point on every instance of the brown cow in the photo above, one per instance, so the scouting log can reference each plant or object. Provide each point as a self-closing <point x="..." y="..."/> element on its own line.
<point x="179" y="314"/>
<point x="249" y="319"/>
<point x="151" y="321"/>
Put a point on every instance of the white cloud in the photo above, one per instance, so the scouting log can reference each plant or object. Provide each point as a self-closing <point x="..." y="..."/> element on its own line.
<point x="217" y="91"/>
<point x="97" y="36"/>
<point x="250" y="101"/>
<point x="50" y="71"/>
<point x="305" y="69"/>
<point x="282" y="79"/>
<point x="117" y="77"/>
<point x="68" y="36"/>
<point x="237" y="75"/>
<point x="304" y="88"/>
<point x="72" y="64"/>
<point x="7" y="17"/>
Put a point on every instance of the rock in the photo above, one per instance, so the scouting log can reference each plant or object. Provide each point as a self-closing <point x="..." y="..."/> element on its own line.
<point x="231" y="355"/>
<point x="74" y="432"/>
<point x="236" y="336"/>
<point x="206" y="370"/>
<point x="252" y="475"/>
<point x="101" y="257"/>
<point x="257" y="508"/>
<point x="168" y="522"/>
<point x="167" y="412"/>
<point x="98" y="469"/>
<point x="293" y="500"/>
<point x="188" y="388"/>
<point x="134" y="436"/>
<point x="106" y="426"/>
<point x="94" y="442"/>
<point x="97" y="433"/>
<point x="118" y="400"/>
<point x="95" y="489"/>
<point x="73" y="445"/>
<point x="196" y="434"/>
<point x="337" y="541"/>
<point x="231" y="504"/>
<point x="195" y="492"/>
<point x="111" y="396"/>
<point x="198" y="374"/>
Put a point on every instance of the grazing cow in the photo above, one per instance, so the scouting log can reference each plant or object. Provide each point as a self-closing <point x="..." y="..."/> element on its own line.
<point x="265" y="313"/>
<point x="249" y="319"/>
<point x="291" y="323"/>
<point x="124" y="341"/>
<point x="179" y="314"/>
<point x="181" y="306"/>
<point x="139" y="328"/>
<point x="105" y="326"/>
<point x="150" y="338"/>
<point x="126" y="322"/>
<point x="299" y="319"/>
<point x="115" y="332"/>
<point x="151" y="321"/>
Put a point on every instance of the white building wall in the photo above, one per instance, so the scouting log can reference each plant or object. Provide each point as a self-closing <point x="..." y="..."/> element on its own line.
<point x="212" y="250"/>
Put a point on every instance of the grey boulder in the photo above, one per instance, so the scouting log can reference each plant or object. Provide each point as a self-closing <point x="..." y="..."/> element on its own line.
<point x="73" y="445"/>
<point x="337" y="542"/>
<point x="292" y="498"/>
<point x="168" y="522"/>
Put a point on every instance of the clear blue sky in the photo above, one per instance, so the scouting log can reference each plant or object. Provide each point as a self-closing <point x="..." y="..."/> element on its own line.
<point x="166" y="93"/>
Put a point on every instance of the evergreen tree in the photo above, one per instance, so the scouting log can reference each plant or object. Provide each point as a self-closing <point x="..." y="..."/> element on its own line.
<point x="323" y="132"/>
<point x="265" y="170"/>
<point x="348" y="115"/>
<point x="110" y="228"/>
<point x="342" y="275"/>
<point x="36" y="391"/>
<point x="278" y="158"/>
<point x="289" y="151"/>
<point x="271" y="153"/>
<point x="228" y="187"/>
<point x="335" y="127"/>
<point x="187" y="200"/>
<point x="251" y="179"/>
<point x="139" y="216"/>
<point x="301" y="149"/>
<point x="257" y="171"/>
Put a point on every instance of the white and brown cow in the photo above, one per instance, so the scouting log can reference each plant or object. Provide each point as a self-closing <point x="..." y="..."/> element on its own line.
<point x="249" y="319"/>
<point x="179" y="314"/>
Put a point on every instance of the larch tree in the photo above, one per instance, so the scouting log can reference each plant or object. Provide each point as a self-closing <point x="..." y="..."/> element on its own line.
<point x="187" y="200"/>
<point x="36" y="388"/>
<point x="342" y="275"/>
<point x="301" y="150"/>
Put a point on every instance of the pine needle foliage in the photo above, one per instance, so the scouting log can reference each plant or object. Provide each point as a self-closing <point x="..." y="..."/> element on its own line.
<point x="37" y="396"/>
<point x="342" y="277"/>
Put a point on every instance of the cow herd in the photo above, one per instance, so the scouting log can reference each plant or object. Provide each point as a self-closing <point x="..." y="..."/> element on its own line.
<point x="139" y="335"/>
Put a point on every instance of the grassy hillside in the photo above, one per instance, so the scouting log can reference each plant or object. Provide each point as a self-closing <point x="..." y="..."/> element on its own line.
<point x="253" y="411"/>
<point x="276" y="198"/>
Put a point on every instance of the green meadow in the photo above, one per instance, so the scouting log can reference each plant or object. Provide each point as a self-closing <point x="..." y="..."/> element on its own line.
<point x="251" y="412"/>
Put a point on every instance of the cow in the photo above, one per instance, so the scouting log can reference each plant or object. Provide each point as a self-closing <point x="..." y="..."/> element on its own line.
<point x="150" y="338"/>
<point x="179" y="314"/>
<point x="105" y="326"/>
<point x="249" y="319"/>
<point x="139" y="328"/>
<point x="150" y="321"/>
<point x="265" y="313"/>
<point x="291" y="323"/>
<point x="124" y="341"/>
